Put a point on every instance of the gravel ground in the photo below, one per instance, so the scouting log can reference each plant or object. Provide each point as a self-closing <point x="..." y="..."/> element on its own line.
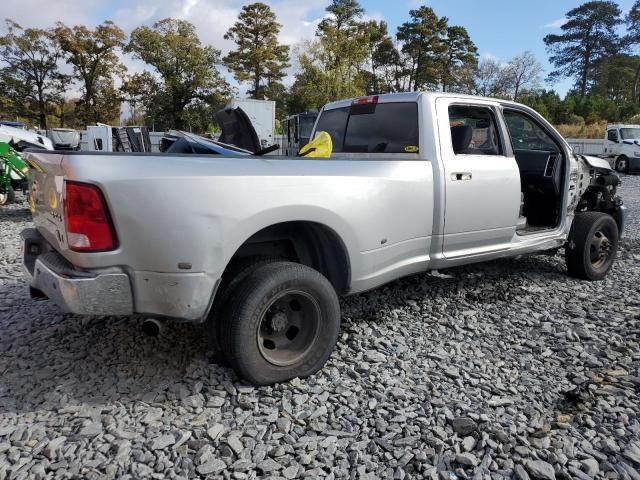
<point x="502" y="370"/>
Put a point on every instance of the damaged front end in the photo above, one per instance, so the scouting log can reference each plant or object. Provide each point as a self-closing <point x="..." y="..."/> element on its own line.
<point x="598" y="189"/>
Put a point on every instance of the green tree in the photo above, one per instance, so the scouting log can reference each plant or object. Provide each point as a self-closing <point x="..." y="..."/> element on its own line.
<point x="317" y="82"/>
<point x="632" y="40"/>
<point x="188" y="78"/>
<point x="421" y="39"/>
<point x="334" y="65"/>
<point x="30" y="79"/>
<point x="588" y="36"/>
<point x="378" y="37"/>
<point x="390" y="67"/>
<point x="458" y="58"/>
<point x="135" y="91"/>
<point x="258" y="57"/>
<point x="343" y="38"/>
<point x="93" y="55"/>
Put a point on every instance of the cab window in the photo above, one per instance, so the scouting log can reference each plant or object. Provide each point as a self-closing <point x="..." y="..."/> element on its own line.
<point x="372" y="128"/>
<point x="473" y="131"/>
<point x="526" y="134"/>
<point x="612" y="136"/>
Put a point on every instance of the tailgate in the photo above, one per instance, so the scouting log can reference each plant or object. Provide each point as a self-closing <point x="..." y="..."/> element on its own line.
<point x="45" y="179"/>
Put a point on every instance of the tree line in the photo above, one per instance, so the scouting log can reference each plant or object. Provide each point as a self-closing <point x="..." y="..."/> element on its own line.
<point x="183" y="82"/>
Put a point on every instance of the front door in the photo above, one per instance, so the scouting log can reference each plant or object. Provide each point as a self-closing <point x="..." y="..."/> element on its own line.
<point x="612" y="143"/>
<point x="482" y="180"/>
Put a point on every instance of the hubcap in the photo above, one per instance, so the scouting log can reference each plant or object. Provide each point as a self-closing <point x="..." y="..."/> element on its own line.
<point x="288" y="327"/>
<point x="600" y="249"/>
<point x="3" y="198"/>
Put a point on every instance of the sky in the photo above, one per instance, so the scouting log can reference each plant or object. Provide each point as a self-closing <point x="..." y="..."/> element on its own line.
<point x="500" y="28"/>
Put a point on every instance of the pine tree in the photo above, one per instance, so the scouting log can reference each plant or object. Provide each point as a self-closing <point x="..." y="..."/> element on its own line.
<point x="459" y="57"/>
<point x="258" y="57"/>
<point x="588" y="36"/>
<point x="421" y="39"/>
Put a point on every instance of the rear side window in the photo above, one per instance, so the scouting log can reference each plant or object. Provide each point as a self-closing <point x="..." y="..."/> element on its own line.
<point x="379" y="128"/>
<point x="334" y="122"/>
<point x="473" y="131"/>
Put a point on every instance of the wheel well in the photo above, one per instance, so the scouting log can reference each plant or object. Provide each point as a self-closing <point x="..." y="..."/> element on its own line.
<point x="309" y="243"/>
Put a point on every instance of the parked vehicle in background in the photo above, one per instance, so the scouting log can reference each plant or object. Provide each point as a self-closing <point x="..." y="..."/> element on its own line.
<point x="64" y="138"/>
<point x="13" y="171"/>
<point x="105" y="138"/>
<point x="296" y="132"/>
<point x="14" y="124"/>
<point x="259" y="248"/>
<point x="622" y="147"/>
<point x="262" y="114"/>
<point x="20" y="138"/>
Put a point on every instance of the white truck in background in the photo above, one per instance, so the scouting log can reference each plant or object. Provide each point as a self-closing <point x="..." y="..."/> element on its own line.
<point x="622" y="147"/>
<point x="262" y="114"/>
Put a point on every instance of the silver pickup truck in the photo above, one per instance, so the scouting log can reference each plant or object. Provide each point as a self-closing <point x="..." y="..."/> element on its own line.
<point x="259" y="247"/>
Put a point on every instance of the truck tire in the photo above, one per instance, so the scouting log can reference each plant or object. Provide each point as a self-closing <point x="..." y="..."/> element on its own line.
<point x="235" y="273"/>
<point x="8" y="197"/>
<point x="282" y="322"/>
<point x="592" y="246"/>
<point x="622" y="164"/>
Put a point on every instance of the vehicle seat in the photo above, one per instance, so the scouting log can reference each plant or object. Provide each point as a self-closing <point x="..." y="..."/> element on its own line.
<point x="461" y="138"/>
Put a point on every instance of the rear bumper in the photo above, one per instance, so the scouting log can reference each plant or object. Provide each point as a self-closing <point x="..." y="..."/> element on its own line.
<point x="114" y="291"/>
<point x="86" y="293"/>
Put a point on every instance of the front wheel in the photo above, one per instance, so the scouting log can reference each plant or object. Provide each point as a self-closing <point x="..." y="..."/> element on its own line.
<point x="622" y="164"/>
<point x="592" y="246"/>
<point x="282" y="322"/>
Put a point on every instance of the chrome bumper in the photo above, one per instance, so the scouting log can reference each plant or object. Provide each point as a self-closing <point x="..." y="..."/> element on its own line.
<point x="82" y="292"/>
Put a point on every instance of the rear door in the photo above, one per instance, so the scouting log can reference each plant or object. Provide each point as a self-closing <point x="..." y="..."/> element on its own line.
<point x="482" y="180"/>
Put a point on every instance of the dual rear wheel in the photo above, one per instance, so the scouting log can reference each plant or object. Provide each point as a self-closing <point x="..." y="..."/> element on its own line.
<point x="275" y="320"/>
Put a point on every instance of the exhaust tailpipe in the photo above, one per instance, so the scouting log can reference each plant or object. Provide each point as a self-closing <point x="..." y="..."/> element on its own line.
<point x="152" y="327"/>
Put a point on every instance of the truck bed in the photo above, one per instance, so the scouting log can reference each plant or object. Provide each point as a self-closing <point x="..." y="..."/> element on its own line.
<point x="187" y="209"/>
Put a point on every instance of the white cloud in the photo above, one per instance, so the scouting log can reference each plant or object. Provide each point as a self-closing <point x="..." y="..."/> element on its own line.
<point x="556" y="23"/>
<point x="41" y="14"/>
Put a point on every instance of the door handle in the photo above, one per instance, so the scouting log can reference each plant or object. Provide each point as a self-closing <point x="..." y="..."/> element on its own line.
<point x="461" y="176"/>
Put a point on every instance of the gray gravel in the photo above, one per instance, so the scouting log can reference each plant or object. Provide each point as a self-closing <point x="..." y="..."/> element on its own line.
<point x="503" y="370"/>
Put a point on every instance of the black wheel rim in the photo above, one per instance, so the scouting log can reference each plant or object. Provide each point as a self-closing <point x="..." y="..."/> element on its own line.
<point x="288" y="327"/>
<point x="600" y="249"/>
<point x="622" y="165"/>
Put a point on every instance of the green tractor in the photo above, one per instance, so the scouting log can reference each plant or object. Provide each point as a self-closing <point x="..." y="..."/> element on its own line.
<point x="13" y="173"/>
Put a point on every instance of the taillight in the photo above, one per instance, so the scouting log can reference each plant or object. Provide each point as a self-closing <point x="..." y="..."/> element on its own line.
<point x="89" y="227"/>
